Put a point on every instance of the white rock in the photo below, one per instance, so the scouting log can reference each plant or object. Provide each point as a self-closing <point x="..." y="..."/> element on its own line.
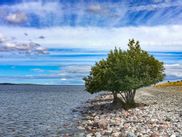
<point x="98" y="134"/>
<point x="89" y="135"/>
<point x="116" y="134"/>
<point x="173" y="135"/>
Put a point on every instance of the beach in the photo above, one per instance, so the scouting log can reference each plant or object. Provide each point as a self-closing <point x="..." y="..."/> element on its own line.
<point x="159" y="115"/>
<point x="69" y="111"/>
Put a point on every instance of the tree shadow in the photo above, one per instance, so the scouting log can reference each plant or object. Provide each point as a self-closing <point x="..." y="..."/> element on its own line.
<point x="104" y="104"/>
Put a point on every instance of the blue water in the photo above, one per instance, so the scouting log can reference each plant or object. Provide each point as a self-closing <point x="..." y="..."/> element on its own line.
<point x="69" y="66"/>
<point x="40" y="111"/>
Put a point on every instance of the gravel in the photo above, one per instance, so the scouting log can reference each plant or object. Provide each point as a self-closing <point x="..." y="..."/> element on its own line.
<point x="159" y="115"/>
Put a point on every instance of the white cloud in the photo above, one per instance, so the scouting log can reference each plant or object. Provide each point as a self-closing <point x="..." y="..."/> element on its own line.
<point x="7" y="45"/>
<point x="113" y="14"/>
<point x="94" y="8"/>
<point x="158" y="38"/>
<point x="76" y="69"/>
<point x="156" y="6"/>
<point x="174" y="70"/>
<point x="63" y="79"/>
<point x="16" y="18"/>
<point x="35" y="7"/>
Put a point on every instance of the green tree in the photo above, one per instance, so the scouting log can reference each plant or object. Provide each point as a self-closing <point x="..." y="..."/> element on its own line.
<point x="123" y="72"/>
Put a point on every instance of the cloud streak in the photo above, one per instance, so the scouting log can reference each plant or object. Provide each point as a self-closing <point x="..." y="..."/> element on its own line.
<point x="158" y="38"/>
<point x="45" y="13"/>
<point x="174" y="70"/>
<point x="8" y="45"/>
<point x="156" y="6"/>
<point x="16" y="18"/>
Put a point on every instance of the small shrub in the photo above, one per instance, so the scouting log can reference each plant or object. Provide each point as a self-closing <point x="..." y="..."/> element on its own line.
<point x="123" y="72"/>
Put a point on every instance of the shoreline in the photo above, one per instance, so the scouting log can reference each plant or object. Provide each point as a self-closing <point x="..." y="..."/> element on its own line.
<point x="159" y="116"/>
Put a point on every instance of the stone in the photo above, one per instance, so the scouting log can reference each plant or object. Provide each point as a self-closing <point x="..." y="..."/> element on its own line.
<point x="153" y="120"/>
<point x="102" y="124"/>
<point x="88" y="128"/>
<point x="173" y="135"/>
<point x="130" y="134"/>
<point x="80" y="127"/>
<point x="167" y="119"/>
<point x="80" y="135"/>
<point x="116" y="134"/>
<point x="155" y="135"/>
<point x="126" y="125"/>
<point x="95" y="124"/>
<point x="108" y="132"/>
<point x="98" y="134"/>
<point x="90" y="122"/>
<point x="180" y="114"/>
<point x="126" y="114"/>
<point x="89" y="135"/>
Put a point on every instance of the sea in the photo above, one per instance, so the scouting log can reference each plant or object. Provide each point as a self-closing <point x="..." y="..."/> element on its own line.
<point x="40" y="110"/>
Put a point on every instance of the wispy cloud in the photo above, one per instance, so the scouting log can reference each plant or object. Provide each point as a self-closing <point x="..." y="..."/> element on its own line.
<point x="174" y="70"/>
<point x="16" y="18"/>
<point x="157" y="38"/>
<point x="109" y="14"/>
<point x="156" y="6"/>
<point x="76" y="69"/>
<point x="9" y="45"/>
<point x="95" y="8"/>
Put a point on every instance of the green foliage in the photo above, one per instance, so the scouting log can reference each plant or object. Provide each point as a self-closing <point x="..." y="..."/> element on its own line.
<point x="124" y="71"/>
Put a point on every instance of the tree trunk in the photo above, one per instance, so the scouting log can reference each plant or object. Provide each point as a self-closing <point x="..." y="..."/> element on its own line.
<point x="130" y="102"/>
<point x="115" y="98"/>
<point x="128" y="98"/>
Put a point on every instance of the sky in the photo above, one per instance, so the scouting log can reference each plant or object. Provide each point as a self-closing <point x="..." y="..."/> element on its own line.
<point x="57" y="41"/>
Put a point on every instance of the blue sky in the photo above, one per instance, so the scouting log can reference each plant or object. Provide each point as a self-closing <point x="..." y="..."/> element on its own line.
<point x="56" y="41"/>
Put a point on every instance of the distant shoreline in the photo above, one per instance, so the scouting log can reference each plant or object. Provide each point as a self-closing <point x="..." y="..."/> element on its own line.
<point x="174" y="82"/>
<point x="29" y="84"/>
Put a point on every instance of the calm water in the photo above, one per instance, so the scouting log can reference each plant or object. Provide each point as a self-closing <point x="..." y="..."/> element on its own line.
<point x="39" y="110"/>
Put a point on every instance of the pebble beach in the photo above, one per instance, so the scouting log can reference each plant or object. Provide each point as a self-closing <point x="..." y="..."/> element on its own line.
<point x="69" y="111"/>
<point x="158" y="115"/>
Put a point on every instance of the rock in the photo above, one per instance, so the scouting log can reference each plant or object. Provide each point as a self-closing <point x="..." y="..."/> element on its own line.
<point x="167" y="119"/>
<point x="89" y="135"/>
<point x="95" y="124"/>
<point x="116" y="134"/>
<point x="153" y="120"/>
<point x="126" y="114"/>
<point x="90" y="122"/>
<point x="80" y="135"/>
<point x="108" y="132"/>
<point x="80" y="127"/>
<point x="126" y="125"/>
<point x="102" y="124"/>
<point x="66" y="135"/>
<point x="173" y="135"/>
<point x="180" y="114"/>
<point x="88" y="128"/>
<point x="98" y="134"/>
<point x="130" y="134"/>
<point x="154" y="135"/>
